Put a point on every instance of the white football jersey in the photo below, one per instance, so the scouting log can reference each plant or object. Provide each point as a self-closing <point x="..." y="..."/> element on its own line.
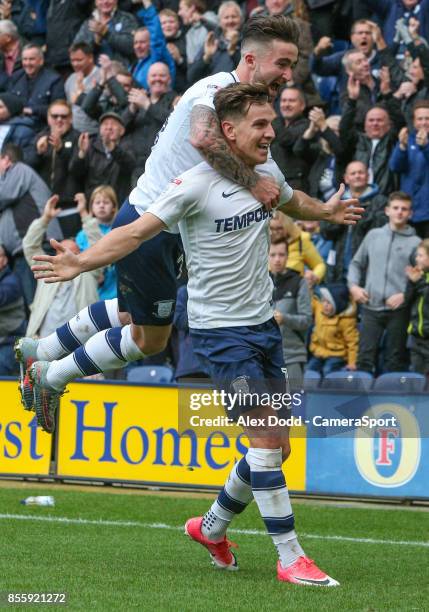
<point x="225" y="234"/>
<point x="172" y="152"/>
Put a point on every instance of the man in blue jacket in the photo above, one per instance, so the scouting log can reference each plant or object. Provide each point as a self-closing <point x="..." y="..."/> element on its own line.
<point x="14" y="127"/>
<point x="150" y="46"/>
<point x="36" y="85"/>
<point x="410" y="158"/>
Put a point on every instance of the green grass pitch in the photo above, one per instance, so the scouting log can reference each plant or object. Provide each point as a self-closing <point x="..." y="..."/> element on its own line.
<point x="119" y="557"/>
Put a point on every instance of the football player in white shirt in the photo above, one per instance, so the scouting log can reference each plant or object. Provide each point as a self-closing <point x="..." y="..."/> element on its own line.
<point x="225" y="233"/>
<point x="147" y="278"/>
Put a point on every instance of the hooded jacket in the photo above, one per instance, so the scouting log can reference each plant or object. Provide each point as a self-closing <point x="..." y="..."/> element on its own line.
<point x="292" y="299"/>
<point x="335" y="336"/>
<point x="381" y="259"/>
<point x="23" y="196"/>
<point x="417" y="296"/>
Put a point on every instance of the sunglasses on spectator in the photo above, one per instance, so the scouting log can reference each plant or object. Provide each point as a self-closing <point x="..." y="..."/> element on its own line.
<point x="57" y="116"/>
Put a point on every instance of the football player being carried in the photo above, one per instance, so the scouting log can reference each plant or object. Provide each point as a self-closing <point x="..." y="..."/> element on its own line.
<point x="225" y="233"/>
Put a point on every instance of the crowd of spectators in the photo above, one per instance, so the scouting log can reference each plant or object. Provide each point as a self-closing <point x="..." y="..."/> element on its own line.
<point x="85" y="86"/>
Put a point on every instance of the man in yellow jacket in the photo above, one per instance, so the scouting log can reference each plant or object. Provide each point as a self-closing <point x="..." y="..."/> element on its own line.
<point x="335" y="338"/>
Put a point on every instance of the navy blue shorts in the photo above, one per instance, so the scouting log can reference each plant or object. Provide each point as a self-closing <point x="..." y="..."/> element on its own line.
<point x="147" y="278"/>
<point x="243" y="359"/>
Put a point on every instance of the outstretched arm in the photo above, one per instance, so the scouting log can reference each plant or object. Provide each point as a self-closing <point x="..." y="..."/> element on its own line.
<point x="302" y="206"/>
<point x="121" y="241"/>
<point x="206" y="136"/>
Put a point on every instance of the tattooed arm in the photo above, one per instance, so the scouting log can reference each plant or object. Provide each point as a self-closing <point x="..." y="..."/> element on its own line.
<point x="206" y="136"/>
<point x="335" y="210"/>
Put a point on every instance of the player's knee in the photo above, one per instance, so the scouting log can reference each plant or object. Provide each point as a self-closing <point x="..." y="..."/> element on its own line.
<point x="124" y="318"/>
<point x="149" y="343"/>
<point x="154" y="346"/>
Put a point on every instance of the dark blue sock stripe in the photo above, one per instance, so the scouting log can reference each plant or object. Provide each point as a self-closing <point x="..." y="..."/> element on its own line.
<point x="99" y="316"/>
<point x="229" y="503"/>
<point x="243" y="470"/>
<point x="67" y="339"/>
<point x="84" y="362"/>
<point x="267" y="480"/>
<point x="277" y="525"/>
<point x="113" y="339"/>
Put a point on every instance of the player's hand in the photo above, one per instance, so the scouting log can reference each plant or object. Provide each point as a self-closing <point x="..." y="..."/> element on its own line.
<point x="51" y="211"/>
<point x="267" y="192"/>
<point x="395" y="301"/>
<point x="351" y="366"/>
<point x="57" y="268"/>
<point x="347" y="212"/>
<point x="359" y="294"/>
<point x="413" y="273"/>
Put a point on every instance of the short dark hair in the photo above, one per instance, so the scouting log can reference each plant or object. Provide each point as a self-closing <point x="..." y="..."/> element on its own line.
<point x="294" y="88"/>
<point x="275" y="240"/>
<point x="358" y="22"/>
<point x="266" y="29"/>
<point x="12" y="151"/>
<point x="81" y="46"/>
<point x="199" y="5"/>
<point x="236" y="99"/>
<point x="30" y="45"/>
<point x="399" y="195"/>
<point x="420" y="104"/>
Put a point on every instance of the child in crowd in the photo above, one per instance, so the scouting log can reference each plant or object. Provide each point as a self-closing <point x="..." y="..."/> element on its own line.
<point x="301" y="251"/>
<point x="103" y="206"/>
<point x="292" y="305"/>
<point x="417" y="297"/>
<point x="335" y="338"/>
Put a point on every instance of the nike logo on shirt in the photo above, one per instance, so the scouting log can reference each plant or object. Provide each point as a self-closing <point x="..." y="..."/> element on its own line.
<point x="228" y="195"/>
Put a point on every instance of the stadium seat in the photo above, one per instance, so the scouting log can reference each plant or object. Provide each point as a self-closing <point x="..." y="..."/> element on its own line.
<point x="150" y="374"/>
<point x="311" y="380"/>
<point x="348" y="380"/>
<point x="410" y="382"/>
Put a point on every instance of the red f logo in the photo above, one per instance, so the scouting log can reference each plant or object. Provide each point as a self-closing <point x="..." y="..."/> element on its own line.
<point x="386" y="444"/>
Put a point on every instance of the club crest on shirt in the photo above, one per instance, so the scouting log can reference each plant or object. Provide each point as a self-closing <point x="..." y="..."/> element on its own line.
<point x="211" y="87"/>
<point x="164" y="308"/>
<point x="176" y="181"/>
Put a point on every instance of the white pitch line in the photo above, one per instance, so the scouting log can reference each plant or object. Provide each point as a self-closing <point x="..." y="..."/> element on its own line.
<point x="254" y="532"/>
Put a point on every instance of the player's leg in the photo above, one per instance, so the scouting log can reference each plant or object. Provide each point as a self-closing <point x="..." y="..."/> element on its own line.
<point x="64" y="340"/>
<point x="269" y="448"/>
<point x="147" y="290"/>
